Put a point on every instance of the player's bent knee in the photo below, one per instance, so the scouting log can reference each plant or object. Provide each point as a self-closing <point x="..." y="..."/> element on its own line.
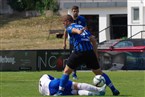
<point x="68" y="70"/>
<point x="98" y="72"/>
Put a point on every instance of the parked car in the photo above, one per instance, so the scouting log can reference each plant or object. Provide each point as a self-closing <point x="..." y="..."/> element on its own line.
<point x="123" y="54"/>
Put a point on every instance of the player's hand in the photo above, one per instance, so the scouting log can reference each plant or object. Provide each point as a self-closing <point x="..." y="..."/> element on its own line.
<point x="77" y="31"/>
<point x="82" y="30"/>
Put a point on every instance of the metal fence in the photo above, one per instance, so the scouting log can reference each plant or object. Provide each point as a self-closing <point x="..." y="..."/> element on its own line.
<point x="133" y="31"/>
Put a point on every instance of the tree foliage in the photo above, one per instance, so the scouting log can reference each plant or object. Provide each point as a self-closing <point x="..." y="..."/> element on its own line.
<point x="40" y="5"/>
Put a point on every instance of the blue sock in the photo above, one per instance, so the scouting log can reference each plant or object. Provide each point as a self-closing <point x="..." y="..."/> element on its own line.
<point x="63" y="81"/>
<point x="108" y="82"/>
<point x="74" y="74"/>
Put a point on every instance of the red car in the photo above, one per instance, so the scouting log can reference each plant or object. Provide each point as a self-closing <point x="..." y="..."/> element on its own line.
<point x="123" y="54"/>
<point x="131" y="45"/>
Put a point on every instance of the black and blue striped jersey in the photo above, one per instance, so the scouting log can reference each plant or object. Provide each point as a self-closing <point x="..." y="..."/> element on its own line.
<point x="80" y="42"/>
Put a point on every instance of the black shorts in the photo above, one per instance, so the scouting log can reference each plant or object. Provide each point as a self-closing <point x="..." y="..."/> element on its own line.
<point x="88" y="58"/>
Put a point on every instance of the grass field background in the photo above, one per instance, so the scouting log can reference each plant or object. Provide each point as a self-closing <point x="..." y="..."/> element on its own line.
<point x="25" y="84"/>
<point x="19" y="33"/>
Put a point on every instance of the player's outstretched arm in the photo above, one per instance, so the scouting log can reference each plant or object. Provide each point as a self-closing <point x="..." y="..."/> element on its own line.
<point x="77" y="31"/>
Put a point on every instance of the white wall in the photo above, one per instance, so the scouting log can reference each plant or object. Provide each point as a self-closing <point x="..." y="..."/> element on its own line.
<point x="104" y="20"/>
<point x="144" y="19"/>
<point x="134" y="28"/>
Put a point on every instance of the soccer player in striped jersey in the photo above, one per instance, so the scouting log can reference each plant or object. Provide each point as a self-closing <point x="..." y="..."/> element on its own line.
<point x="84" y="52"/>
<point x="78" y="19"/>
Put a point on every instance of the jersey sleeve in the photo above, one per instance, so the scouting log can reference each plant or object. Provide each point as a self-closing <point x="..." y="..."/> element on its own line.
<point x="69" y="29"/>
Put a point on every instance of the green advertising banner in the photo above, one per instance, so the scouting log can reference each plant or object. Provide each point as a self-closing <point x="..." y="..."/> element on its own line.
<point x="13" y="60"/>
<point x="52" y="59"/>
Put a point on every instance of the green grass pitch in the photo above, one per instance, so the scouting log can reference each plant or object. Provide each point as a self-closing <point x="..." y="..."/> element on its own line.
<point x="25" y="84"/>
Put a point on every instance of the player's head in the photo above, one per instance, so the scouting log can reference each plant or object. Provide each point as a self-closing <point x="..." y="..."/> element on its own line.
<point x="67" y="20"/>
<point x="75" y="11"/>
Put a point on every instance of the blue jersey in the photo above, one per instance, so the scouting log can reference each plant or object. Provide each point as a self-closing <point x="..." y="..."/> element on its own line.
<point x="49" y="85"/>
<point x="80" y="42"/>
<point x="81" y="21"/>
<point x="54" y="87"/>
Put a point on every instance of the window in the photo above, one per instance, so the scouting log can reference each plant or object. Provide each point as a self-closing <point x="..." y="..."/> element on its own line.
<point x="124" y="44"/>
<point x="135" y="14"/>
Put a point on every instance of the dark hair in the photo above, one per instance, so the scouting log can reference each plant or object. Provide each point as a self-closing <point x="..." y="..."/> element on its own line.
<point x="68" y="17"/>
<point x="75" y="7"/>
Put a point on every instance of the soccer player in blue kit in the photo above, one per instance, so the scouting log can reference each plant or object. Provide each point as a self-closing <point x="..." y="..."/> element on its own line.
<point x="48" y="85"/>
<point x="84" y="52"/>
<point x="78" y="20"/>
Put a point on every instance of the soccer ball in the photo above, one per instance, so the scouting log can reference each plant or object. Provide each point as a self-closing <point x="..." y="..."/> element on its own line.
<point x="99" y="80"/>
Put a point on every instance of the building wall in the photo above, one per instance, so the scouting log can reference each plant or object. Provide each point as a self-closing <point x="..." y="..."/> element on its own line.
<point x="138" y="25"/>
<point x="143" y="16"/>
<point x="104" y="13"/>
<point x="104" y="19"/>
<point x="66" y="4"/>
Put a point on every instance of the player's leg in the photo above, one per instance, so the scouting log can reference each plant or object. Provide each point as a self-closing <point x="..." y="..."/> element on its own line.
<point x="73" y="59"/>
<point x="88" y="89"/>
<point x="93" y="63"/>
<point x="74" y="74"/>
<point x="90" y="93"/>
<point x="108" y="81"/>
<point x="86" y="86"/>
<point x="53" y="86"/>
<point x="63" y="80"/>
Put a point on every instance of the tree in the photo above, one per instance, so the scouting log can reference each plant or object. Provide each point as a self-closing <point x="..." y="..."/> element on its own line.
<point x="16" y="5"/>
<point x="47" y="5"/>
<point x="40" y="5"/>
